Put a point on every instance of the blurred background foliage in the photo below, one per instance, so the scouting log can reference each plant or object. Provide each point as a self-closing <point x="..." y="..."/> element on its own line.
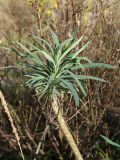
<point x="99" y="113"/>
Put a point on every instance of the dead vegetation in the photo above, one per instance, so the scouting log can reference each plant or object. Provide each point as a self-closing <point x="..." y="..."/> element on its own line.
<point x="99" y="111"/>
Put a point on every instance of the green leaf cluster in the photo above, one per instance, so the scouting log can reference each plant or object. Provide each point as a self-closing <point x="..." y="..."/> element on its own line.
<point x="58" y="66"/>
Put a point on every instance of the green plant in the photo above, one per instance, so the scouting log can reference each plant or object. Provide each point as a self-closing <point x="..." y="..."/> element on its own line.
<point x="109" y="141"/>
<point x="57" y="69"/>
<point x="105" y="156"/>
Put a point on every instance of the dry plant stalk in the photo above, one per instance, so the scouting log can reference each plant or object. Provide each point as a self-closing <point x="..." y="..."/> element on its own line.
<point x="65" y="130"/>
<point x="4" y="104"/>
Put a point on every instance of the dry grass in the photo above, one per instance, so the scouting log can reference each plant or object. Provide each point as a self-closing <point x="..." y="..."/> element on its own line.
<point x="4" y="104"/>
<point x="99" y="112"/>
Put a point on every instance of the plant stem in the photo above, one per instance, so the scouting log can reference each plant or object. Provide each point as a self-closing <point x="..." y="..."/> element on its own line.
<point x="4" y="104"/>
<point x="65" y="130"/>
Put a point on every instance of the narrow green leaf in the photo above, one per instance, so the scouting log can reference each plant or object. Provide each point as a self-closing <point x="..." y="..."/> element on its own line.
<point x="69" y="49"/>
<point x="35" y="48"/>
<point x="48" y="57"/>
<point x="94" y="65"/>
<point x="110" y="141"/>
<point x="45" y="42"/>
<point x="24" y="48"/>
<point x="73" y="91"/>
<point x="80" y="50"/>
<point x="45" y="89"/>
<point x="84" y="59"/>
<point x="78" y="82"/>
<point x="43" y="52"/>
<point x="19" y="53"/>
<point x="84" y="77"/>
<point x="66" y="43"/>
<point x="31" y="56"/>
<point x="42" y="46"/>
<point x="55" y="39"/>
<point x="36" y="61"/>
<point x="74" y="33"/>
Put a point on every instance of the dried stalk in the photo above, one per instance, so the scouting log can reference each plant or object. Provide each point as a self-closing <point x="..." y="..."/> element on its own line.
<point x="4" y="104"/>
<point x="64" y="128"/>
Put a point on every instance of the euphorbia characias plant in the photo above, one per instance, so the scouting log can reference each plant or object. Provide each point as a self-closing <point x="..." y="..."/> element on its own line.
<point x="51" y="69"/>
